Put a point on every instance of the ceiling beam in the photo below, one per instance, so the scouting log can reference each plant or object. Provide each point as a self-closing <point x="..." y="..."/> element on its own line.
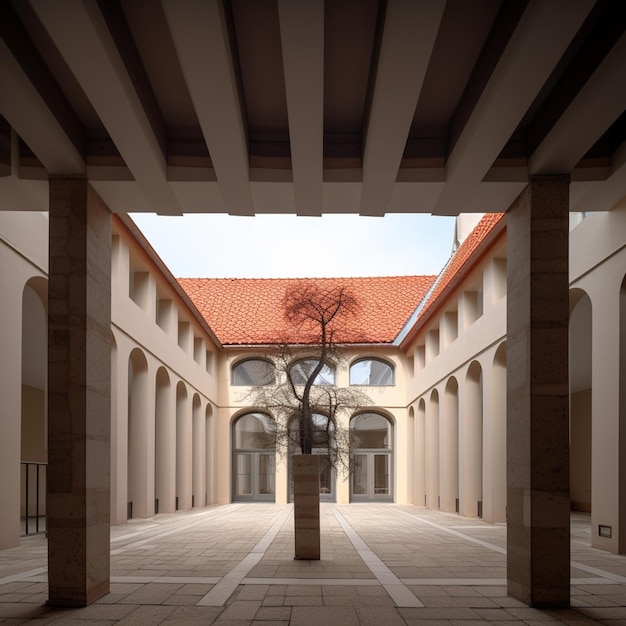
<point x="410" y="30"/>
<point x="200" y="35"/>
<point x="538" y="43"/>
<point x="302" y="40"/>
<point x="115" y="19"/>
<point x="592" y="111"/>
<point x="89" y="50"/>
<point x="26" y="110"/>
<point x="18" y="194"/>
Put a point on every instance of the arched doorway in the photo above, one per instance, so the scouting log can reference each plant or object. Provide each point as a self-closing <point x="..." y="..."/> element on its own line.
<point x="163" y="448"/>
<point x="183" y="448"/>
<point x="494" y="437"/>
<point x="432" y="452"/>
<point x="411" y="461"/>
<point x="371" y="442"/>
<point x="254" y="458"/>
<point x="449" y="449"/>
<point x="420" y="453"/>
<point x="34" y="448"/>
<point x="580" y="377"/>
<point x="471" y="452"/>
<point x="138" y="462"/>
<point x="209" y="448"/>
<point x="198" y="497"/>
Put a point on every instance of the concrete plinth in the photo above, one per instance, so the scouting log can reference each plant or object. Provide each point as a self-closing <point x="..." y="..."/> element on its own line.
<point x="79" y="394"/>
<point x="538" y="536"/>
<point x="306" y="507"/>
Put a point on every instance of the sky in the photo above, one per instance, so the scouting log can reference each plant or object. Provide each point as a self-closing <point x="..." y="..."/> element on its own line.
<point x="288" y="246"/>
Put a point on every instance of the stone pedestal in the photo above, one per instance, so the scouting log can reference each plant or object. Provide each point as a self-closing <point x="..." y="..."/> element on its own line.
<point x="538" y="535"/>
<point x="306" y="506"/>
<point x="79" y="394"/>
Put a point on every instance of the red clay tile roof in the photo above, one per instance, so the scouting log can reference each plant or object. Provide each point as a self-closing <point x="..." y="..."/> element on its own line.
<point x="462" y="255"/>
<point x="247" y="311"/>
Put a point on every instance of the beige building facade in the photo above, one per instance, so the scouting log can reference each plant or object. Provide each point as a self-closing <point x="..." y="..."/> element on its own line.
<point x="177" y="408"/>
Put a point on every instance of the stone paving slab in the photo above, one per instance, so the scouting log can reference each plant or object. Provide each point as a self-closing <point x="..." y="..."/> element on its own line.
<point x="381" y="564"/>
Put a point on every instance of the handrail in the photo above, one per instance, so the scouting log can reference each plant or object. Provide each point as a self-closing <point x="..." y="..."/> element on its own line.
<point x="40" y="475"/>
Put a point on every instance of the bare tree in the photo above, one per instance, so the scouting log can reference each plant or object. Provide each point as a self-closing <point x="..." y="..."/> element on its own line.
<point x="305" y="401"/>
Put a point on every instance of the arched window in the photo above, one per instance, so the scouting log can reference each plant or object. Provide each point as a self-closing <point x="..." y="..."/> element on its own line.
<point x="254" y="457"/>
<point x="371" y="431"/>
<point x="255" y="431"/>
<point x="371" y="440"/>
<point x="371" y="372"/>
<point x="253" y="372"/>
<point x="302" y="369"/>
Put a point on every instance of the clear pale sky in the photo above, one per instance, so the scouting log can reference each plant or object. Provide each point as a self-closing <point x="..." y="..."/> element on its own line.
<point x="287" y="246"/>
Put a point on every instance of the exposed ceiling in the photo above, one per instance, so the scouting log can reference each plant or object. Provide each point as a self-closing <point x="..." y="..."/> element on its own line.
<point x="310" y="107"/>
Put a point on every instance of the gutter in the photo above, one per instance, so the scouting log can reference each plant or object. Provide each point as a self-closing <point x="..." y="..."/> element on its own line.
<point x="420" y="307"/>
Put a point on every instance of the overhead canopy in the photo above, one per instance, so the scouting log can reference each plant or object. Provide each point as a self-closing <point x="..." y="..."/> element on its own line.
<point x="343" y="106"/>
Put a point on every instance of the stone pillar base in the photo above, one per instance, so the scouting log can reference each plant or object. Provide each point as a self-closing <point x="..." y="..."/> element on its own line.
<point x="306" y="508"/>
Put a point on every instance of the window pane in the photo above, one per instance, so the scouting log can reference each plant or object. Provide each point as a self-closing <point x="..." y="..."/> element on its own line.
<point x="267" y="474"/>
<point x="381" y="474"/>
<point x="326" y="474"/>
<point x="359" y="475"/>
<point x="301" y="371"/>
<point x="322" y="430"/>
<point x="243" y="474"/>
<point x="370" y="430"/>
<point x="255" y="431"/>
<point x="371" y="372"/>
<point x="253" y="372"/>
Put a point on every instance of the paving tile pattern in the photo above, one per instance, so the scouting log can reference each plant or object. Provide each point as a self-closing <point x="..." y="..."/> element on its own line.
<point x="233" y="565"/>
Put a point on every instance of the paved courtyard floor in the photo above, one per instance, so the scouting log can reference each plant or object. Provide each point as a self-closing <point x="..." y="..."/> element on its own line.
<point x="381" y="565"/>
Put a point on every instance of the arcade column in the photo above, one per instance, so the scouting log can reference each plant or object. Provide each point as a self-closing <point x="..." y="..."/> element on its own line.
<point x="538" y="516"/>
<point x="79" y="394"/>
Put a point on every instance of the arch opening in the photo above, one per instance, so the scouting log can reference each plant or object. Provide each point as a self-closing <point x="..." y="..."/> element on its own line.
<point x="371" y="444"/>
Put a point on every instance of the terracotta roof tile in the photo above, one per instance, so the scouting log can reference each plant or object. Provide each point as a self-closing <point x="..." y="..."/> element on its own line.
<point x="462" y="255"/>
<point x="247" y="311"/>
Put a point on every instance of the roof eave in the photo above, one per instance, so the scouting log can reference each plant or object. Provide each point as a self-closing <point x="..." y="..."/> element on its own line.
<point x="472" y="261"/>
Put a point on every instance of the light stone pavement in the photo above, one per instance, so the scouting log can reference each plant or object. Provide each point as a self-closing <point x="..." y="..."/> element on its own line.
<point x="381" y="565"/>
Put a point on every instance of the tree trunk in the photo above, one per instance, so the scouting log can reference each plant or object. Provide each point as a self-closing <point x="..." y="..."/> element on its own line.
<point x="306" y="507"/>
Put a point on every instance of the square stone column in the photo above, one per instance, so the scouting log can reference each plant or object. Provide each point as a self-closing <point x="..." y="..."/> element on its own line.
<point x="538" y="515"/>
<point x="79" y="394"/>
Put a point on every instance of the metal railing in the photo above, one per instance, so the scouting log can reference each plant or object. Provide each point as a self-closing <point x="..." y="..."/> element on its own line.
<point x="33" y="476"/>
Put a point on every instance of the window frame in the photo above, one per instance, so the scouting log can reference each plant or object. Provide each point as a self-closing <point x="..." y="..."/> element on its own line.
<point x="391" y="367"/>
<point x="330" y="367"/>
<point x="242" y="362"/>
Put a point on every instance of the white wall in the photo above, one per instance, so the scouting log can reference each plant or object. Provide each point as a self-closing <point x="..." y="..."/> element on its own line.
<point x="23" y="256"/>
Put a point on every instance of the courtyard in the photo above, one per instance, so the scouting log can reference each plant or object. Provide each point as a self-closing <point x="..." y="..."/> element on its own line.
<point x="381" y="564"/>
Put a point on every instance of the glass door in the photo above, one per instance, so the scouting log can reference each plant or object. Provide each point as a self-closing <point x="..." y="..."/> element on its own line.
<point x="371" y="437"/>
<point x="255" y="476"/>
<point x="254" y="458"/>
<point x="371" y="479"/>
